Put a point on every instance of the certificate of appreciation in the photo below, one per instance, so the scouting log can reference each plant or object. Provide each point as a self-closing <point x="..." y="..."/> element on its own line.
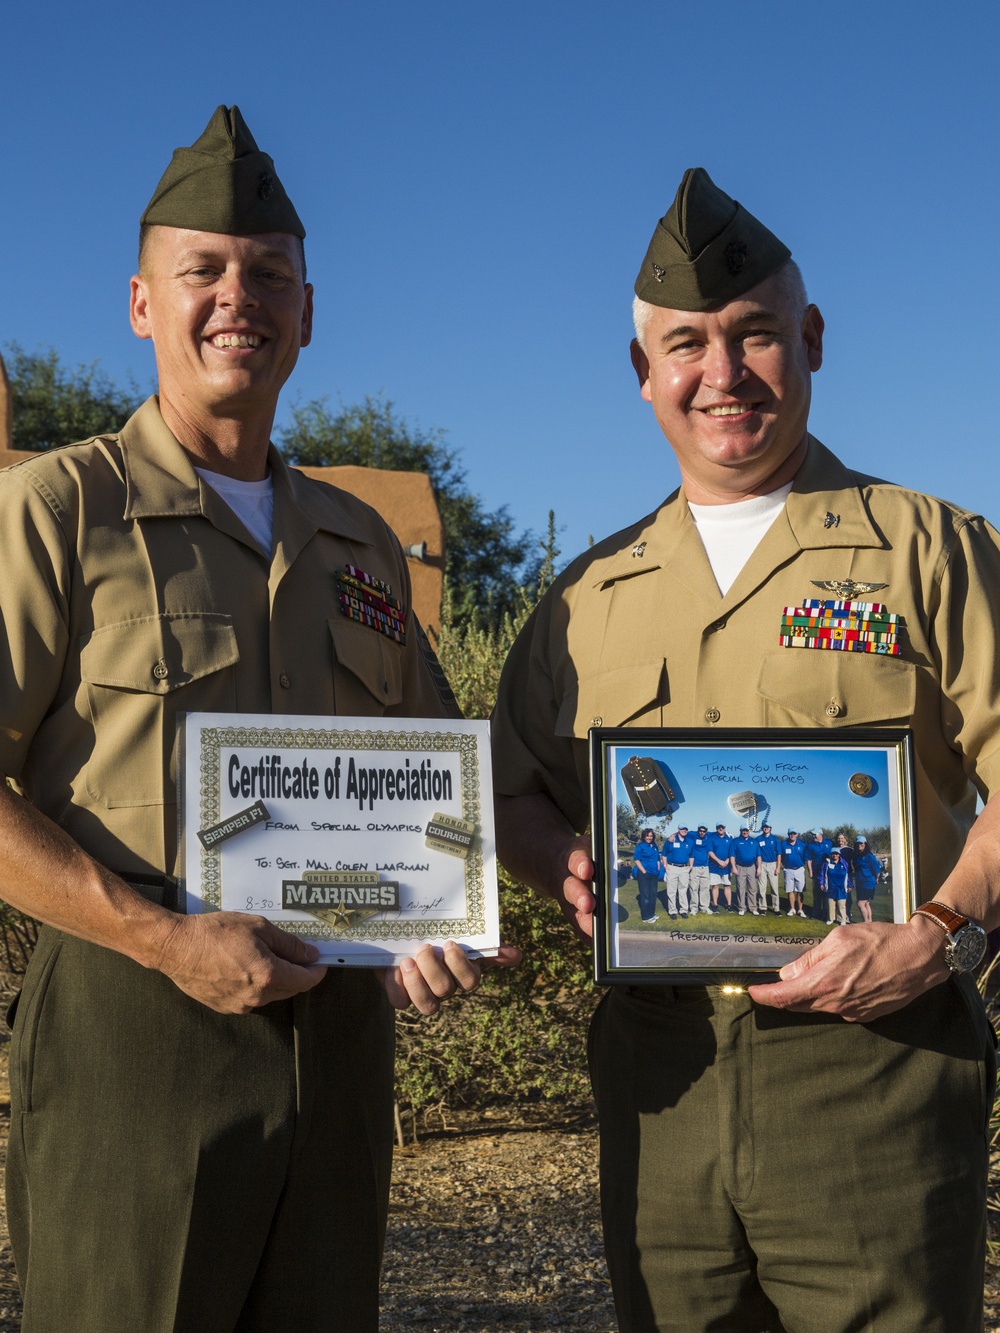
<point x="368" y="837"/>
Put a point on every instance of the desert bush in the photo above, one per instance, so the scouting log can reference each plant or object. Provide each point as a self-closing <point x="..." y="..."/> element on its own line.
<point x="521" y="1035"/>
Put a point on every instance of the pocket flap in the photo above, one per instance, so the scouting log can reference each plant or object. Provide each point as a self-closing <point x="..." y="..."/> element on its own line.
<point x="371" y="657"/>
<point x="839" y="689"/>
<point x="612" y="698"/>
<point x="157" y="654"/>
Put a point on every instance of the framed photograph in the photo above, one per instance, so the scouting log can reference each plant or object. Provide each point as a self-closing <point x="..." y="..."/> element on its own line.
<point x="721" y="855"/>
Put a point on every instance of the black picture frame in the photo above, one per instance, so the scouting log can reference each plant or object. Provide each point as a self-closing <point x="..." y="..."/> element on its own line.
<point x="859" y="779"/>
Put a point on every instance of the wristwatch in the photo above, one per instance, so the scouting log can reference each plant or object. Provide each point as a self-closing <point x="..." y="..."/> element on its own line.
<point x="966" y="939"/>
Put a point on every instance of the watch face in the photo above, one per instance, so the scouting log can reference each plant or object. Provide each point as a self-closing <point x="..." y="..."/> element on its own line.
<point x="967" y="949"/>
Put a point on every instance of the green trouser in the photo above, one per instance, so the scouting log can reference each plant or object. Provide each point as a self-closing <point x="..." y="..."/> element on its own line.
<point x="174" y="1170"/>
<point x="766" y="1172"/>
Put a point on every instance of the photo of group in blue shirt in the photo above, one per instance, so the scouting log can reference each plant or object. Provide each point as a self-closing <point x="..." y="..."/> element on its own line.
<point x="811" y="876"/>
<point x="764" y="847"/>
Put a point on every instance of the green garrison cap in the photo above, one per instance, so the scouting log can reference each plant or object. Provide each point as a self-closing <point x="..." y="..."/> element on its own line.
<point x="223" y="183"/>
<point x="706" y="250"/>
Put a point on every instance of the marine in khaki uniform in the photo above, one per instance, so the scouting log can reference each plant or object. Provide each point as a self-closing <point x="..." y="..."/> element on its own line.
<point x="200" y="1118"/>
<point x="718" y="1211"/>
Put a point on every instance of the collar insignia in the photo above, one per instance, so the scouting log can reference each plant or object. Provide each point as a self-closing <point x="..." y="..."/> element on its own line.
<point x="638" y="550"/>
<point x="831" y="520"/>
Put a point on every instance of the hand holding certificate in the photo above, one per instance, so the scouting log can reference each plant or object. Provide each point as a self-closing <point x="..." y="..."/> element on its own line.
<point x="366" y="837"/>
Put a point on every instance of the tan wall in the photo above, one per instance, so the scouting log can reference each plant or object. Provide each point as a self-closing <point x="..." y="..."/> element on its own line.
<point x="404" y="499"/>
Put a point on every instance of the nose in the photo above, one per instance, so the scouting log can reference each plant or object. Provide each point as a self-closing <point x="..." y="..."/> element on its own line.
<point x="723" y="367"/>
<point x="236" y="292"/>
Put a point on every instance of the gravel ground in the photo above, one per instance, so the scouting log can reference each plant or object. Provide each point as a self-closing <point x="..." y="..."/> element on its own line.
<point x="494" y="1225"/>
<point x="493" y="1228"/>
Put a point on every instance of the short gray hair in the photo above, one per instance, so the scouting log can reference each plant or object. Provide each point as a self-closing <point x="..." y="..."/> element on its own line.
<point x="791" y="288"/>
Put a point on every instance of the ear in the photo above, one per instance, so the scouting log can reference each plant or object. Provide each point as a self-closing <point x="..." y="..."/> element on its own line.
<point x="307" y="317"/>
<point x="812" y="336"/>
<point x="138" y="308"/>
<point x="640" y="364"/>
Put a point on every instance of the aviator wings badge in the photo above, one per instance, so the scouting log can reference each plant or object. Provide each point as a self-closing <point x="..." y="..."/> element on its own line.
<point x="846" y="589"/>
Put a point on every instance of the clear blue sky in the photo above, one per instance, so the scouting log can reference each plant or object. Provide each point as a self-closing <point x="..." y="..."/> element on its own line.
<point x="806" y="788"/>
<point x="479" y="183"/>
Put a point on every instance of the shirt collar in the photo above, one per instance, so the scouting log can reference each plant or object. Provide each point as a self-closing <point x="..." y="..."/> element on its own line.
<point x="160" y="482"/>
<point x="825" y="509"/>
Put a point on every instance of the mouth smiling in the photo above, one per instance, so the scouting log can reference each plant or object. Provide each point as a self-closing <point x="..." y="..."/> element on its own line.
<point x="729" y="409"/>
<point x="225" y="341"/>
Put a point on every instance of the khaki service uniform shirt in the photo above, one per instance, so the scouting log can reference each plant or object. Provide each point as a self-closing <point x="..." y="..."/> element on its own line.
<point x="719" y="662"/>
<point x="131" y="593"/>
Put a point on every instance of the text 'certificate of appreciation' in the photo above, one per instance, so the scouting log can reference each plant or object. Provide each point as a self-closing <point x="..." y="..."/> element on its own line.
<point x="368" y="837"/>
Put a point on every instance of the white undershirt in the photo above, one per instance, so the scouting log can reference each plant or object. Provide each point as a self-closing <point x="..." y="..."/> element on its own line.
<point x="731" y="533"/>
<point x="251" y="501"/>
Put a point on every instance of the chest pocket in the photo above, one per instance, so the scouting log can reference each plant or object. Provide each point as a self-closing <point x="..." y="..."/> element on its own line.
<point x="833" y="689"/>
<point x="634" y="694"/>
<point x="368" y="669"/>
<point x="139" y="675"/>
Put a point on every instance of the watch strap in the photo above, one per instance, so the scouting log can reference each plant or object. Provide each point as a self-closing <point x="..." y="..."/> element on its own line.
<point x="946" y="917"/>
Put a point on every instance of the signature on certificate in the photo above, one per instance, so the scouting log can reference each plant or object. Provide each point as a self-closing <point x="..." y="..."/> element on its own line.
<point x="430" y="905"/>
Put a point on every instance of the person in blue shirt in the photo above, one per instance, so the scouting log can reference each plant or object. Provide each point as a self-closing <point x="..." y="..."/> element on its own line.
<point x="699" y="885"/>
<point x="793" y="863"/>
<point x="837" y="880"/>
<point x="867" y="868"/>
<point x="818" y="848"/>
<point x="719" y="865"/>
<point x="745" y="861"/>
<point x="847" y="856"/>
<point x="649" y="872"/>
<point x="676" y="855"/>
<point x="768" y="849"/>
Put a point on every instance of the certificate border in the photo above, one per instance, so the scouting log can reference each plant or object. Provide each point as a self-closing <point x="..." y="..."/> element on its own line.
<point x="603" y="740"/>
<point x="213" y="739"/>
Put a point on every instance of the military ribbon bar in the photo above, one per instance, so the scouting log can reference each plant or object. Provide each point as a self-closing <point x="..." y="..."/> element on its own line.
<point x="844" y="626"/>
<point x="817" y="604"/>
<point x="370" y="602"/>
<point x="841" y="645"/>
<point x="370" y="581"/>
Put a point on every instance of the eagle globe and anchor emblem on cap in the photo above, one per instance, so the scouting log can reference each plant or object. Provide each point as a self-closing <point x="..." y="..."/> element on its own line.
<point x="736" y="256"/>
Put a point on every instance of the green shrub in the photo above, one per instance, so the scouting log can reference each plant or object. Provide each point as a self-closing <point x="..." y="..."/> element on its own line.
<point x="522" y="1034"/>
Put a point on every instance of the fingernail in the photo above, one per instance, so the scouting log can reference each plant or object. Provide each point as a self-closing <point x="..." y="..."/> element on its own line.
<point x="408" y="965"/>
